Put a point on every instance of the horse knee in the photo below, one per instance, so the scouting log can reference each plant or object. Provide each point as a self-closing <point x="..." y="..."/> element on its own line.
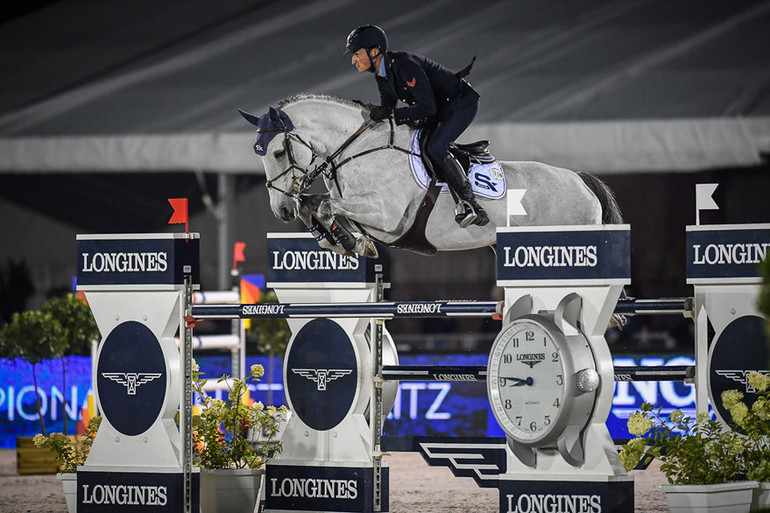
<point x="325" y="211"/>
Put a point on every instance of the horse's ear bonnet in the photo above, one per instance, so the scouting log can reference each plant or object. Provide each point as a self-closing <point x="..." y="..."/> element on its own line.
<point x="268" y="126"/>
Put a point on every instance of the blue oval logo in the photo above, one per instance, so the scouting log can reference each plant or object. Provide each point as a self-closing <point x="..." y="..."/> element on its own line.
<point x="321" y="374"/>
<point x="131" y="378"/>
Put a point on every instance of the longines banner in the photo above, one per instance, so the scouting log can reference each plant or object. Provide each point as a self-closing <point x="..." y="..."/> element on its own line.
<point x="136" y="259"/>
<point x="296" y="258"/>
<point x="343" y="489"/>
<point x="574" y="253"/>
<point x="725" y="251"/>
<point x="117" y="492"/>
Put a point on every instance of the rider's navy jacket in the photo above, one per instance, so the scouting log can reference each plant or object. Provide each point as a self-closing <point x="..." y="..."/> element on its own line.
<point x="428" y="88"/>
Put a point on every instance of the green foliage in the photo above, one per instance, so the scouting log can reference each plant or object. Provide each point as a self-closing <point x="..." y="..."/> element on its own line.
<point x="755" y="423"/>
<point x="79" y="328"/>
<point x="764" y="295"/>
<point x="692" y="451"/>
<point x="271" y="335"/>
<point x="70" y="454"/>
<point x="33" y="337"/>
<point x="220" y="430"/>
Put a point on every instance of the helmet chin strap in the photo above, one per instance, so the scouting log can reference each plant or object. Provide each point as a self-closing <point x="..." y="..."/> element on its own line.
<point x="371" y="61"/>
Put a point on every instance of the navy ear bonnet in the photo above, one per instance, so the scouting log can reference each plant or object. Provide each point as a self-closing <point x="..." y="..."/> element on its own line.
<point x="268" y="126"/>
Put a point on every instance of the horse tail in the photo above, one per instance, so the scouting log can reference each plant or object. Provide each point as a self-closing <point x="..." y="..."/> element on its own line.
<point x="611" y="213"/>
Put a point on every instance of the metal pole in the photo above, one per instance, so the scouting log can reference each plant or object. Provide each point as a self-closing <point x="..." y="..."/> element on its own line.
<point x="224" y="219"/>
<point x="376" y="401"/>
<point x="471" y="373"/>
<point x="186" y="421"/>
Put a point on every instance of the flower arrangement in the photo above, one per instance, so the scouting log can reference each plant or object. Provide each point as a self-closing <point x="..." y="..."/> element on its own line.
<point x="69" y="455"/>
<point x="754" y="421"/>
<point x="220" y="430"/>
<point x="692" y="451"/>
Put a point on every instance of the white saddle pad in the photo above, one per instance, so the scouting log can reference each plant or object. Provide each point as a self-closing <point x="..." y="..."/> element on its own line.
<point x="487" y="180"/>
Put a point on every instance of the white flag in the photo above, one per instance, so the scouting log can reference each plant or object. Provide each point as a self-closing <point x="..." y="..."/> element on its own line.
<point x="703" y="196"/>
<point x="703" y="199"/>
<point x="515" y="208"/>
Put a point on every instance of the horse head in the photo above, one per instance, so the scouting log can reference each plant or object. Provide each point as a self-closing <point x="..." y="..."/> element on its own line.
<point x="286" y="156"/>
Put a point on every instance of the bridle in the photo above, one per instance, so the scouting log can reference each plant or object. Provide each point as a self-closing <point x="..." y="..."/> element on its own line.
<point x="327" y="166"/>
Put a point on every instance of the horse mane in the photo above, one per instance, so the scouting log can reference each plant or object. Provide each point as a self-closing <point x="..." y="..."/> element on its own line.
<point x="323" y="97"/>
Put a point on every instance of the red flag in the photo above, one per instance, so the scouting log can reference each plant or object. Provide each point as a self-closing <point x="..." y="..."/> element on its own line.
<point x="180" y="213"/>
<point x="238" y="254"/>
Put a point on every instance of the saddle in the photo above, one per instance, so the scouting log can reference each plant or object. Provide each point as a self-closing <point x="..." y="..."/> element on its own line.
<point x="476" y="152"/>
<point x="466" y="154"/>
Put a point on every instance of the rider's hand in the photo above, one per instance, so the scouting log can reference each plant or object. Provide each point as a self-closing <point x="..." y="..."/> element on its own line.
<point x="378" y="113"/>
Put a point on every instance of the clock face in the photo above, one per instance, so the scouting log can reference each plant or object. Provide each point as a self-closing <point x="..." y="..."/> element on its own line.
<point x="526" y="380"/>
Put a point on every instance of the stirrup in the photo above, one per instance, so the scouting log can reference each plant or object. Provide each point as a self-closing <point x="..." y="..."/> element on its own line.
<point x="464" y="213"/>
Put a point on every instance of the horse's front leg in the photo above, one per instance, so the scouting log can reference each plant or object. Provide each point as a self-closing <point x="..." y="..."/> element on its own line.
<point x="336" y="222"/>
<point x="308" y="214"/>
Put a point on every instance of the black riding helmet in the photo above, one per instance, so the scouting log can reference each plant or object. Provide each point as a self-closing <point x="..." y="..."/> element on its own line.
<point x="366" y="36"/>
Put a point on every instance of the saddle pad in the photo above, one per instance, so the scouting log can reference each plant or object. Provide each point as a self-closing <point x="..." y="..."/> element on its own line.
<point x="487" y="180"/>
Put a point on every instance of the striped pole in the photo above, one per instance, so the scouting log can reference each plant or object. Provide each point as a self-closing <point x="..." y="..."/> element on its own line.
<point x="479" y="373"/>
<point x="422" y="309"/>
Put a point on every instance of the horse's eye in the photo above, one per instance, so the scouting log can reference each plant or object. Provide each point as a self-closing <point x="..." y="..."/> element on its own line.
<point x="279" y="154"/>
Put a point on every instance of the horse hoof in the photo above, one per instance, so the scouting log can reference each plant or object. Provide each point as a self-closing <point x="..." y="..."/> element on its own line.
<point x="366" y="247"/>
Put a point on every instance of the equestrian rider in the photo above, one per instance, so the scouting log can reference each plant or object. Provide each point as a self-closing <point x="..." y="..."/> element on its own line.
<point x="432" y="94"/>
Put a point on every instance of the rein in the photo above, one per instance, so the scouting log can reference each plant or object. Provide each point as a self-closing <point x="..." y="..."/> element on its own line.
<point x="328" y="167"/>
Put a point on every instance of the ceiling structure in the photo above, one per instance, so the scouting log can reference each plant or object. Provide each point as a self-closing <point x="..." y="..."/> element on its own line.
<point x="602" y="85"/>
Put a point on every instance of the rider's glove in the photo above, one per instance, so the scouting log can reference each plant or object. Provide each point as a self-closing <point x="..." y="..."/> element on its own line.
<point x="378" y="113"/>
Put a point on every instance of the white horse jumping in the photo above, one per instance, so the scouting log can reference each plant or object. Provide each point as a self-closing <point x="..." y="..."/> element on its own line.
<point x="371" y="190"/>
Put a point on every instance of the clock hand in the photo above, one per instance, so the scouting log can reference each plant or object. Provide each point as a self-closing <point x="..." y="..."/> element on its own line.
<point x="517" y="382"/>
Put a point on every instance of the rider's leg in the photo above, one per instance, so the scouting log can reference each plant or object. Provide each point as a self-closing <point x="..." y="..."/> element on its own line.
<point x="447" y="131"/>
<point x="468" y="211"/>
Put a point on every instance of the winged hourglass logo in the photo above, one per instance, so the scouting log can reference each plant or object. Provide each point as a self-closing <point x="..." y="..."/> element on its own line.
<point x="131" y="380"/>
<point x="741" y="376"/>
<point x="322" y="376"/>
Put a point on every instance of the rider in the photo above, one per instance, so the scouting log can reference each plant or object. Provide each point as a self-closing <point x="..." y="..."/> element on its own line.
<point x="432" y="93"/>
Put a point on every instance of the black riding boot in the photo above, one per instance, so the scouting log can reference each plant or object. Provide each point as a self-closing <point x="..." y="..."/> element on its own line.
<point x="467" y="210"/>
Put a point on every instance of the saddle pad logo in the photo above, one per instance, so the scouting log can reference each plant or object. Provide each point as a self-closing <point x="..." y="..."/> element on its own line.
<point x="487" y="180"/>
<point x="321" y="374"/>
<point x="131" y="378"/>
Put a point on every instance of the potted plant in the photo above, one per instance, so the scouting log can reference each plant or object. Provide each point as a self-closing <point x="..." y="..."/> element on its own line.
<point x="32" y="337"/>
<point x="231" y="465"/>
<point x="70" y="452"/>
<point x="78" y="330"/>
<point x="754" y="422"/>
<point x="703" y="462"/>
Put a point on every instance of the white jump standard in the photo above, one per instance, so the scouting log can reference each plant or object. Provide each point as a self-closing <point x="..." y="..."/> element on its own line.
<point x="137" y="286"/>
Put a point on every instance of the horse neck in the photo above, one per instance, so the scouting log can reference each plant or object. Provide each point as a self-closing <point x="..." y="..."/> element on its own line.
<point x="324" y="121"/>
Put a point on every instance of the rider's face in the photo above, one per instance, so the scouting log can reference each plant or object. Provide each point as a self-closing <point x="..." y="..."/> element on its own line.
<point x="361" y="61"/>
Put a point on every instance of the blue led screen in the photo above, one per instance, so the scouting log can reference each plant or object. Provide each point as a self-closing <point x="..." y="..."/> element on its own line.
<point x="426" y="408"/>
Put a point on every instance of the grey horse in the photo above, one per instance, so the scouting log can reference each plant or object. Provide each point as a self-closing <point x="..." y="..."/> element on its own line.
<point x="371" y="191"/>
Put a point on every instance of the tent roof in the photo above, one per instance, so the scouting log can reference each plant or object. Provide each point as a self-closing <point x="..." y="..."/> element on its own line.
<point x="601" y="85"/>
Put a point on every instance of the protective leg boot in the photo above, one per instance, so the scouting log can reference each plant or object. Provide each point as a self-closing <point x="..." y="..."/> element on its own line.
<point x="467" y="210"/>
<point x="344" y="238"/>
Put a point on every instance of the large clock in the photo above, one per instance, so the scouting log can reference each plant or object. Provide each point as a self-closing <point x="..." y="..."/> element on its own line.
<point x="542" y="387"/>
